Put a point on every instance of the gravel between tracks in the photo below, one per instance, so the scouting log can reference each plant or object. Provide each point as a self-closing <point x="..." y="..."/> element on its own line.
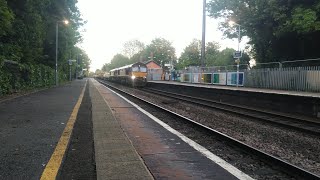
<point x="295" y="147"/>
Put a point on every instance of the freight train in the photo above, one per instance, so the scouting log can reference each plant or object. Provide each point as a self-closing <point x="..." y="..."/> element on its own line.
<point x="134" y="75"/>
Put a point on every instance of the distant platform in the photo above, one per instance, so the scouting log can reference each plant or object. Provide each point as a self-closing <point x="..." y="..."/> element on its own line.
<point x="304" y="104"/>
<point x="233" y="88"/>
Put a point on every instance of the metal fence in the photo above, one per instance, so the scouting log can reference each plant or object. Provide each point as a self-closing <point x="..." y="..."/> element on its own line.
<point x="290" y="78"/>
<point x="282" y="78"/>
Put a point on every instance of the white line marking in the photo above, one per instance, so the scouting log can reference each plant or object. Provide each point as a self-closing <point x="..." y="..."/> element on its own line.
<point x="231" y="169"/>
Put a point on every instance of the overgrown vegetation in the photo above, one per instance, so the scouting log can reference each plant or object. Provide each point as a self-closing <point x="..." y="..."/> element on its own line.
<point x="278" y="29"/>
<point x="159" y="50"/>
<point x="162" y="52"/>
<point x="27" y="42"/>
<point x="191" y="56"/>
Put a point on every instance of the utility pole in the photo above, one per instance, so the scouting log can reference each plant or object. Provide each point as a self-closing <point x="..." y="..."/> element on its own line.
<point x="203" y="44"/>
<point x="238" y="61"/>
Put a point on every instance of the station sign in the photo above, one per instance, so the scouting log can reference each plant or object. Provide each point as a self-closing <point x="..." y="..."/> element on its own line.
<point x="70" y="61"/>
<point x="237" y="54"/>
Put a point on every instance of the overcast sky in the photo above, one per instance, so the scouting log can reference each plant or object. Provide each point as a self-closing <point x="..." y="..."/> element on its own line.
<point x="113" y="22"/>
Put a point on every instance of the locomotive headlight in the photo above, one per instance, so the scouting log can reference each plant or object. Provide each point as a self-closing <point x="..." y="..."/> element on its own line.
<point x="133" y="77"/>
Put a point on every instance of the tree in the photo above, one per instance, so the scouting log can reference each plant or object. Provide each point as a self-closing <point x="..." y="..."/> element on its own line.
<point x="278" y="30"/>
<point x="138" y="57"/>
<point x="161" y="51"/>
<point x="191" y="56"/>
<point x="118" y="60"/>
<point x="225" y="58"/>
<point x="105" y="67"/>
<point x="27" y="36"/>
<point x="130" y="48"/>
<point x="32" y="38"/>
<point x="6" y="18"/>
<point x="212" y="51"/>
<point x="98" y="73"/>
<point x="83" y="60"/>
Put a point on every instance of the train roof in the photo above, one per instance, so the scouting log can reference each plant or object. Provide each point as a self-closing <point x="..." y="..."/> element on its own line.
<point x="127" y="66"/>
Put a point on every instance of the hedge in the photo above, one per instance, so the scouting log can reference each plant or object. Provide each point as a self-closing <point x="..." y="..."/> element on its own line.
<point x="16" y="77"/>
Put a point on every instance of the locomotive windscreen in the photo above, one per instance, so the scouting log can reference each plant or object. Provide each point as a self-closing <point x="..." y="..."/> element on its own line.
<point x="139" y="69"/>
<point x="143" y="69"/>
<point x="135" y="69"/>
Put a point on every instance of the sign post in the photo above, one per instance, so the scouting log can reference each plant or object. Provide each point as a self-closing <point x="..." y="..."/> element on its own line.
<point x="237" y="55"/>
<point x="238" y="62"/>
<point x="70" y="64"/>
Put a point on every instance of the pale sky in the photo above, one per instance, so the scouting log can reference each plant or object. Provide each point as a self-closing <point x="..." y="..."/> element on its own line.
<point x="113" y="22"/>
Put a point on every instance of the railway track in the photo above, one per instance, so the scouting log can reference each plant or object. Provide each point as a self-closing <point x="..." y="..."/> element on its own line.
<point x="283" y="120"/>
<point x="291" y="169"/>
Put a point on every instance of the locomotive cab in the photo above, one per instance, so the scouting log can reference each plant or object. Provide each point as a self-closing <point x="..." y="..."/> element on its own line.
<point x="133" y="74"/>
<point x="138" y="74"/>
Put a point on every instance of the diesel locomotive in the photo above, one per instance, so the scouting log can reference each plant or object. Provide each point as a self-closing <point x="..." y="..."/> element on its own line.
<point x="134" y="75"/>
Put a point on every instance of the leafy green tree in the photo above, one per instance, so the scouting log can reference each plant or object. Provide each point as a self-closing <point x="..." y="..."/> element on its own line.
<point x="225" y="58"/>
<point x="212" y="51"/>
<point x="6" y="18"/>
<point x="27" y="36"/>
<point x="160" y="50"/>
<point x="32" y="39"/>
<point x="83" y="60"/>
<point x="130" y="48"/>
<point x="105" y="67"/>
<point x="191" y="55"/>
<point x="118" y="60"/>
<point x="138" y="57"/>
<point x="98" y="72"/>
<point x="278" y="30"/>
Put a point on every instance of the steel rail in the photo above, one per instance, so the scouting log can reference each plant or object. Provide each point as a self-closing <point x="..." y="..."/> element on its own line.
<point x="283" y="120"/>
<point x="270" y="159"/>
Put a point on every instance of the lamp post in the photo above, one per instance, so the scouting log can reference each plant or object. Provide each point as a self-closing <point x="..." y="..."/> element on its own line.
<point x="57" y="39"/>
<point x="203" y="42"/>
<point x="238" y="54"/>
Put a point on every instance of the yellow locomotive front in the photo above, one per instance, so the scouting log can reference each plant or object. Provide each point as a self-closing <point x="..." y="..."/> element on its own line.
<point x="138" y="74"/>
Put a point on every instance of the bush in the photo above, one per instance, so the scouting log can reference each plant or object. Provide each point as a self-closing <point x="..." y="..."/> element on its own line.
<point x="16" y="77"/>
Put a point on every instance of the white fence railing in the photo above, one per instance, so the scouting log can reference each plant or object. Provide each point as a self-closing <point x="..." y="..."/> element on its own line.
<point x="289" y="78"/>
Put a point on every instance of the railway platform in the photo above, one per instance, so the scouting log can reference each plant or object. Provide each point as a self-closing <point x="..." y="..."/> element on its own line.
<point x="84" y="130"/>
<point x="304" y="104"/>
<point x="31" y="127"/>
<point x="244" y="89"/>
<point x="116" y="157"/>
<point x="162" y="150"/>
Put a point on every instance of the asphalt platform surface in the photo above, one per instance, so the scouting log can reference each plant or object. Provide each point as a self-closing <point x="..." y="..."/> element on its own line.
<point x="31" y="127"/>
<point x="79" y="160"/>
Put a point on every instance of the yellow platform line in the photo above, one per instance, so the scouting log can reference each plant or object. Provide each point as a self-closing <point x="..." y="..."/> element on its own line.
<point x="52" y="168"/>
